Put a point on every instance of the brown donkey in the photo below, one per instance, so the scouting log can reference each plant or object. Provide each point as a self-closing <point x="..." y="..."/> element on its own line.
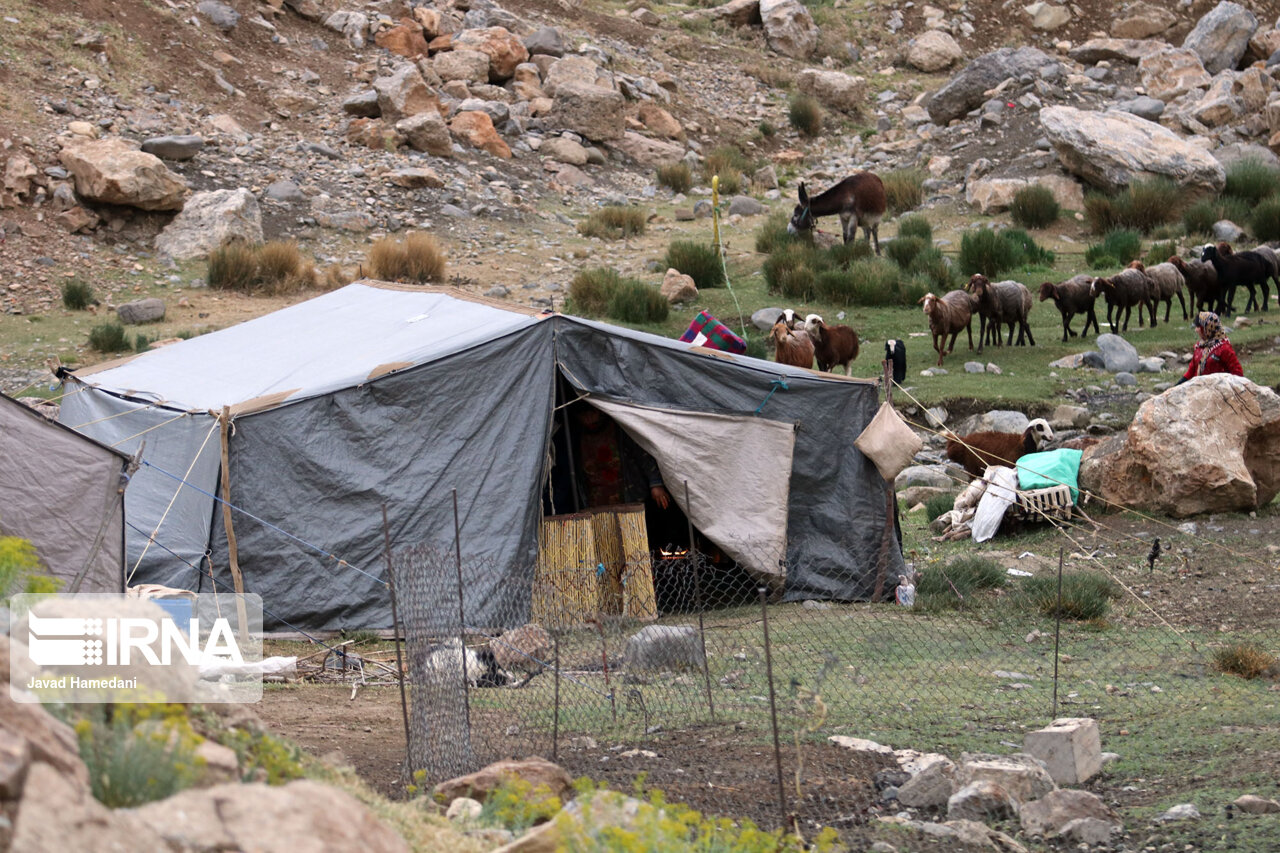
<point x="859" y="200"/>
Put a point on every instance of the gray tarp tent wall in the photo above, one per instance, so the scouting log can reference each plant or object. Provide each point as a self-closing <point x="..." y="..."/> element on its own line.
<point x="64" y="493"/>
<point x="380" y="393"/>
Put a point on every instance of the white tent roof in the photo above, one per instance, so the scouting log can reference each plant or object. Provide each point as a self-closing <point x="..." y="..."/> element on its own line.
<point x="334" y="341"/>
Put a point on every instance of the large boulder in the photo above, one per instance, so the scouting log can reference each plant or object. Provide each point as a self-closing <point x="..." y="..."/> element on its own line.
<point x="404" y="93"/>
<point x="354" y="27"/>
<point x="1112" y="149"/>
<point x="546" y="41"/>
<point x="968" y="88"/>
<point x="992" y="195"/>
<point x="933" y="50"/>
<point x="1220" y="105"/>
<point x="1142" y="20"/>
<point x="209" y="219"/>
<point x="477" y="130"/>
<point x="504" y="50"/>
<point x="1047" y="816"/>
<point x="1115" y="50"/>
<point x="538" y="772"/>
<point x="469" y="66"/>
<point x="571" y="68"/>
<point x="587" y="109"/>
<point x="1221" y="37"/>
<point x="788" y="27"/>
<point x="427" y="132"/>
<point x="737" y="13"/>
<point x="115" y="171"/>
<point x="1168" y="73"/>
<point x="406" y="39"/>
<point x="266" y="818"/>
<point x="1118" y="354"/>
<point x="645" y="150"/>
<point x="1208" y="445"/>
<point x="839" y="91"/>
<point x="57" y="812"/>
<point x="173" y="147"/>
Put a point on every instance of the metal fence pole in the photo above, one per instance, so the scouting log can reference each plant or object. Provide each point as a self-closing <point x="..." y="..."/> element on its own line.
<point x="694" y="561"/>
<point x="462" y="619"/>
<point x="555" y="718"/>
<point x="773" y="706"/>
<point x="395" y="633"/>
<point x="1057" y="635"/>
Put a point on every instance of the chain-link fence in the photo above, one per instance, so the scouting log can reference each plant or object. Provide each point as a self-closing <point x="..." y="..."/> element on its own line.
<point x="617" y="660"/>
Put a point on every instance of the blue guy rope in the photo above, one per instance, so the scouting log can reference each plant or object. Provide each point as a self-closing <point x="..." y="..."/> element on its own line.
<point x="777" y="383"/>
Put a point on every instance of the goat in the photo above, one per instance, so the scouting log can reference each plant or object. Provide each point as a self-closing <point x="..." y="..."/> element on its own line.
<point x="1004" y="302"/>
<point x="1073" y="296"/>
<point x="859" y="200"/>
<point x="832" y="345"/>
<point x="975" y="451"/>
<point x="446" y="661"/>
<point x="947" y="315"/>
<point x="1237" y="269"/>
<point x="1202" y="283"/>
<point x="1167" y="281"/>
<point x="1125" y="289"/>
<point x="791" y="347"/>
<point x="788" y="316"/>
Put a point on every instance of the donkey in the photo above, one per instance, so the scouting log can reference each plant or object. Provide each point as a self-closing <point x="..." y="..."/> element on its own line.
<point x="859" y="200"/>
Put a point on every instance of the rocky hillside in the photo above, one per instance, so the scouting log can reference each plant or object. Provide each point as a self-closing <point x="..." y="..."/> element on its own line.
<point x="137" y="135"/>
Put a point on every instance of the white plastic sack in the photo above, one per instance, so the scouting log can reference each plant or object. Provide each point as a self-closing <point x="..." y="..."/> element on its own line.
<point x="1002" y="491"/>
<point x="214" y="669"/>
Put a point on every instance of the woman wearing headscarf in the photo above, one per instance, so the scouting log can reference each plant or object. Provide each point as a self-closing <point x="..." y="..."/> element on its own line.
<point x="1213" y="352"/>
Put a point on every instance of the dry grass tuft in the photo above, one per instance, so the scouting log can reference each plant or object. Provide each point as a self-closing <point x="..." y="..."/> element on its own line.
<point x="418" y="258"/>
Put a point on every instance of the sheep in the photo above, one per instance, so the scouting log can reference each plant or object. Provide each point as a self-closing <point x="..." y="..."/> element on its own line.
<point x="1167" y="281"/>
<point x="1003" y="302"/>
<point x="1125" y="289"/>
<point x="975" y="451"/>
<point x="1236" y="269"/>
<point x="445" y="661"/>
<point x="1202" y="283"/>
<point x="1073" y="296"/>
<point x="1273" y="258"/>
<point x="788" y="316"/>
<point x="832" y="345"/>
<point x="794" y="348"/>
<point x="947" y="315"/>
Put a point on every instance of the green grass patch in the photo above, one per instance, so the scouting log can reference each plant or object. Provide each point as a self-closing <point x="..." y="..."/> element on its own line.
<point x="1264" y="222"/>
<point x="938" y="504"/>
<point x="1117" y="249"/>
<point x="772" y="235"/>
<point x="903" y="189"/>
<point x="615" y="222"/>
<point x="993" y="253"/>
<point x="77" y="295"/>
<point x="108" y="338"/>
<point x="904" y="250"/>
<point x="915" y="225"/>
<point x="1143" y="206"/>
<point x="1199" y="218"/>
<point x="591" y="289"/>
<point x="699" y="261"/>
<point x="954" y="585"/>
<point x="1159" y="253"/>
<point x="1085" y="596"/>
<point x="637" y="303"/>
<point x="805" y="115"/>
<point x="1251" y="180"/>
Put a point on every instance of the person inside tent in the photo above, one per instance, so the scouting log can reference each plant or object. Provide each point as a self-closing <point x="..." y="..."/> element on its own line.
<point x="615" y="470"/>
<point x="1213" y="352"/>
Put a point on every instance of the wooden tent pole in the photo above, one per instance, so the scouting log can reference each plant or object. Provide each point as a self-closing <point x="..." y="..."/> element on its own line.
<point x="233" y="559"/>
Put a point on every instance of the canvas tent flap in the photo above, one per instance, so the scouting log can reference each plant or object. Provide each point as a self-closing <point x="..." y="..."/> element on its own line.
<point x="738" y="469"/>
<point x="177" y="445"/>
<point x="63" y="493"/>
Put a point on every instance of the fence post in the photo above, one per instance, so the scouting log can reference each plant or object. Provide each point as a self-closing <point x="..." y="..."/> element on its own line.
<point x="395" y="632"/>
<point x="555" y="718"/>
<point x="695" y="560"/>
<point x="1057" y="634"/>
<point x="462" y="619"/>
<point x="773" y="707"/>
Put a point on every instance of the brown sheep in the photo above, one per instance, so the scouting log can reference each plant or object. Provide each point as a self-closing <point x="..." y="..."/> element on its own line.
<point x="1073" y="296"/>
<point x="1202" y="283"/>
<point x="1005" y="302"/>
<point x="790" y="347"/>
<point x="977" y="450"/>
<point x="947" y="315"/>
<point x="1168" y="281"/>
<point x="1123" y="291"/>
<point x="832" y="345"/>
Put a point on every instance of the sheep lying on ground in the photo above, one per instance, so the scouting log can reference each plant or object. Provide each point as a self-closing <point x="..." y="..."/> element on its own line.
<point x="445" y="662"/>
<point x="1005" y="302"/>
<point x="947" y="315"/>
<point x="977" y="450"/>
<point x="832" y="345"/>
<point x="791" y="347"/>
<point x="1073" y="296"/>
<point x="1123" y="291"/>
<point x="1202" y="283"/>
<point x="1167" y="280"/>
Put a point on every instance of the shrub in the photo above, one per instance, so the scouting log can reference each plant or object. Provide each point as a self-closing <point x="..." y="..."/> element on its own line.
<point x="676" y="176"/>
<point x="1265" y="220"/>
<point x="334" y="277"/>
<point x="418" y="258"/>
<point x="1251" y="180"/>
<point x="904" y="250"/>
<point x="1200" y="217"/>
<point x="915" y="225"/>
<point x="699" y="261"/>
<point x="950" y="586"/>
<point x="20" y="569"/>
<point x="983" y="251"/>
<point x="591" y="290"/>
<point x="1100" y="213"/>
<point x="1117" y="248"/>
<point x="517" y="805"/>
<point x="137" y="754"/>
<point x="613" y="223"/>
<point x="636" y="302"/>
<point x="77" y="295"/>
<point x="261" y="754"/>
<point x="1244" y="659"/>
<point x="913" y="288"/>
<point x="729" y="163"/>
<point x="1152" y="202"/>
<point x="730" y="183"/>
<point x="280" y="264"/>
<point x="108" y="337"/>
<point x="938" y="504"/>
<point x="773" y="234"/>
<point x="1086" y="596"/>
<point x="1032" y="253"/>
<point x="141" y="343"/>
<point x="805" y="115"/>
<point x="766" y="129"/>
<point x="904" y="189"/>
<point x="1160" y="253"/>
<point x="834" y="285"/>
<point x="1034" y="207"/>
<point x="843" y="254"/>
<point x="233" y="266"/>
<point x="873" y="282"/>
<point x="933" y="266"/>
<point x="789" y="273"/>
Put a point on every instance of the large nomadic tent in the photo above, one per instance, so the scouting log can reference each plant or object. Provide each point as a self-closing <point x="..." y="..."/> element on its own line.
<point x="309" y="420"/>
<point x="63" y="493"/>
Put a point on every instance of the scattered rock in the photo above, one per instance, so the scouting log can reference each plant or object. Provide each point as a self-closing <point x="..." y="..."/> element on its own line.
<point x="677" y="287"/>
<point x="141" y="311"/>
<point x="1221" y="37"/>
<point x="788" y="27"/>
<point x="208" y="220"/>
<point x="968" y="88"/>
<point x="173" y="147"/>
<point x="538" y="772"/>
<point x="114" y="171"/>
<point x="933" y="50"/>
